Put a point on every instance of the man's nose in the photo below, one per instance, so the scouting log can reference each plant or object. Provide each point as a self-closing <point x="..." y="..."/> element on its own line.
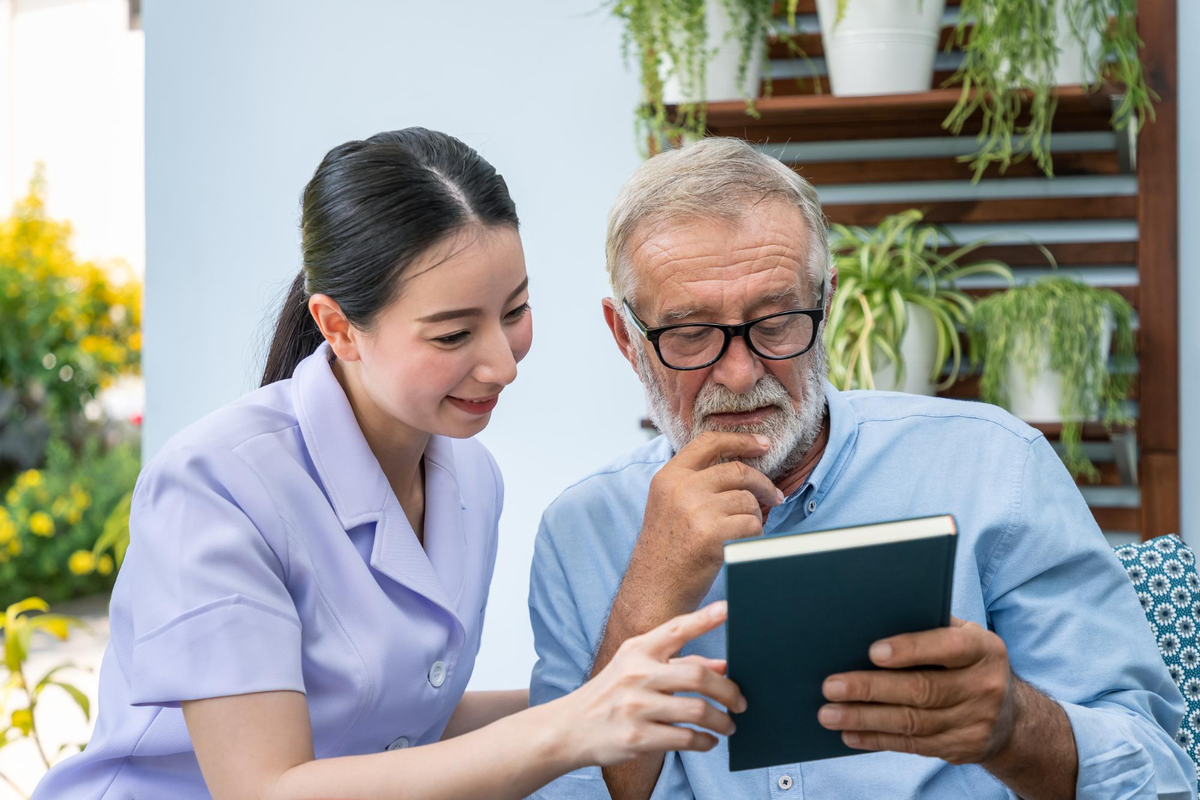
<point x="739" y="369"/>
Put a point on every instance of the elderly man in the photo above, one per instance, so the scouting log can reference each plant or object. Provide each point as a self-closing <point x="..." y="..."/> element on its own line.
<point x="1048" y="684"/>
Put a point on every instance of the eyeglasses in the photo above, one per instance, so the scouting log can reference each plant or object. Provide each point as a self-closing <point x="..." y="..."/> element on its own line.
<point x="696" y="345"/>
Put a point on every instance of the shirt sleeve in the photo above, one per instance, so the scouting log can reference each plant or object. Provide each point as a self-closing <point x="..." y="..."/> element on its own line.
<point x="564" y="663"/>
<point x="212" y="615"/>
<point x="1070" y="618"/>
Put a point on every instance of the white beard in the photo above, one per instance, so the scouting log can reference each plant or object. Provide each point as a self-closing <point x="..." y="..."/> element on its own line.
<point x="792" y="431"/>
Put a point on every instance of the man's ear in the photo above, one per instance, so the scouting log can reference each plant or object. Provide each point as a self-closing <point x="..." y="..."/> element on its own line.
<point x="616" y="323"/>
<point x="337" y="330"/>
<point x="833" y="284"/>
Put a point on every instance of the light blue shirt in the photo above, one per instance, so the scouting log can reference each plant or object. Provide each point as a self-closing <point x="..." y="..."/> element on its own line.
<point x="1031" y="565"/>
<point x="268" y="553"/>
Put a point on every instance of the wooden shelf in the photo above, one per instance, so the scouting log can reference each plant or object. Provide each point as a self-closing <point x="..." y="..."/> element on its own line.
<point x="823" y="117"/>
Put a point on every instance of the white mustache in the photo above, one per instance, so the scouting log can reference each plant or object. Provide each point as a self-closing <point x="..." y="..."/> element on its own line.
<point x="717" y="399"/>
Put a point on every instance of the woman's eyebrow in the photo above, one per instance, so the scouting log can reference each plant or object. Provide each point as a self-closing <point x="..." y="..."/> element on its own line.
<point x="442" y="316"/>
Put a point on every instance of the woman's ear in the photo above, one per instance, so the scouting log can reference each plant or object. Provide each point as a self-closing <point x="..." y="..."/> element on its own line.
<point x="335" y="327"/>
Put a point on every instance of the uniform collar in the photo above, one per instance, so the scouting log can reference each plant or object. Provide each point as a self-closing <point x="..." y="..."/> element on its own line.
<point x="359" y="492"/>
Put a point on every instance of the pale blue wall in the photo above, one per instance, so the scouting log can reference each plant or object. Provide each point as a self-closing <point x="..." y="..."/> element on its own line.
<point x="243" y="99"/>
<point x="1189" y="266"/>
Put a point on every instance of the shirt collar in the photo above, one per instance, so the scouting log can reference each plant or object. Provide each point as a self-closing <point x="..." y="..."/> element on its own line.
<point x="843" y="430"/>
<point x="348" y="469"/>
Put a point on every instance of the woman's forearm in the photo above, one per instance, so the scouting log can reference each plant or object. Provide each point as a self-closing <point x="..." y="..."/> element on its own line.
<point x="477" y="709"/>
<point x="509" y="758"/>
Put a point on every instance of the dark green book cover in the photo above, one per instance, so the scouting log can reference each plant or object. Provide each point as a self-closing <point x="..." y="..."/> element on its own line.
<point x="805" y="606"/>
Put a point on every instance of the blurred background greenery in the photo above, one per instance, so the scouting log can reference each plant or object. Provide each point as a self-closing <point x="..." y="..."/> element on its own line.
<point x="69" y="452"/>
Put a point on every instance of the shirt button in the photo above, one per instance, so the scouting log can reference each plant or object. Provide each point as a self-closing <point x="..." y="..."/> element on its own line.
<point x="785" y="782"/>
<point x="812" y="506"/>
<point x="437" y="674"/>
<point x="399" y="744"/>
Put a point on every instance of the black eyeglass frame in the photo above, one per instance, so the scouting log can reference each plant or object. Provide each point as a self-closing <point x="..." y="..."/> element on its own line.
<point x="743" y="330"/>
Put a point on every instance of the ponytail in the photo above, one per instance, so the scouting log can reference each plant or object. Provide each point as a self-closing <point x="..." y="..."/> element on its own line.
<point x="296" y="335"/>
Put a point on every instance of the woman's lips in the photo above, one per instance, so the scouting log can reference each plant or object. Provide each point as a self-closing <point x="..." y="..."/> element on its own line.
<point x="475" y="407"/>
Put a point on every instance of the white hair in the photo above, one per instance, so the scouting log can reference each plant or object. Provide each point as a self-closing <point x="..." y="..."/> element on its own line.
<point x="715" y="178"/>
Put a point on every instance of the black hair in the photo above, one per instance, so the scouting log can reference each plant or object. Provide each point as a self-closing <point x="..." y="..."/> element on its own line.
<point x="371" y="209"/>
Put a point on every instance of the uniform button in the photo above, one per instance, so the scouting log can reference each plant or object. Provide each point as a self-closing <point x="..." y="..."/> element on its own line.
<point x="812" y="506"/>
<point x="399" y="744"/>
<point x="785" y="782"/>
<point x="437" y="674"/>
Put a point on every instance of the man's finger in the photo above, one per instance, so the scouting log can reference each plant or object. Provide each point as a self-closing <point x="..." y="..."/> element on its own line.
<point x="943" y="647"/>
<point x="920" y="688"/>
<point x="871" y="740"/>
<point x="904" y="720"/>
<point x="667" y="639"/>
<point x="713" y="447"/>
<point x="735" y="476"/>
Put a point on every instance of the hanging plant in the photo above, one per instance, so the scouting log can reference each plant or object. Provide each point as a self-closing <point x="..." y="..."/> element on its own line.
<point x="1010" y="51"/>
<point x="669" y="40"/>
<point x="1058" y="323"/>
<point x="880" y="273"/>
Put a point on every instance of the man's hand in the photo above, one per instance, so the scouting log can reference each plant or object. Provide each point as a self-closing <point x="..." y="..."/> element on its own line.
<point x="963" y="714"/>
<point x="958" y="700"/>
<point x="697" y="501"/>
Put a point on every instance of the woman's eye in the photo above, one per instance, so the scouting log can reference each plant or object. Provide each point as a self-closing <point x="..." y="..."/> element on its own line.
<point x="452" y="339"/>
<point x="518" y="312"/>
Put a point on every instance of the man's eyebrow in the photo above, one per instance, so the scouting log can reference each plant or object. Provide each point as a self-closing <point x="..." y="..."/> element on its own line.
<point x="792" y="296"/>
<point x="457" y="313"/>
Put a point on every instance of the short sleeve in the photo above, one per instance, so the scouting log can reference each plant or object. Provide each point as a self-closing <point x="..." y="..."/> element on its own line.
<point x="211" y="611"/>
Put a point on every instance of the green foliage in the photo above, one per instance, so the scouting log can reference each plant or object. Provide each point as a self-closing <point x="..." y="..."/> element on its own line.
<point x="69" y="331"/>
<point x="1010" y="53"/>
<point x="51" y="520"/>
<point x="670" y="39"/>
<point x="18" y="720"/>
<point x="880" y="271"/>
<point x="1062" y="319"/>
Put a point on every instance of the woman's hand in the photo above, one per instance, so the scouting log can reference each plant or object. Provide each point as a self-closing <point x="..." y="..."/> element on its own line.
<point x="629" y="709"/>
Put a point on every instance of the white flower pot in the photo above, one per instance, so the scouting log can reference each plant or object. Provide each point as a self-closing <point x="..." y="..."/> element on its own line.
<point x="1072" y="69"/>
<point x="880" y="46"/>
<point x="1040" y="399"/>
<point x="918" y="348"/>
<point x="721" y="76"/>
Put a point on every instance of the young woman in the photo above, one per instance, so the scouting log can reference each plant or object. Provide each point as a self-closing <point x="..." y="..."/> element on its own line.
<point x="300" y="607"/>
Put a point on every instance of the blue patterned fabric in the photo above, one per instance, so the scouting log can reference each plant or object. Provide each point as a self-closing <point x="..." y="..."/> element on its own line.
<point x="1163" y="572"/>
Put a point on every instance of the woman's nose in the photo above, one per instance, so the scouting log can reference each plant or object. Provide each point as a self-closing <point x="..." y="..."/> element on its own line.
<point x="498" y="364"/>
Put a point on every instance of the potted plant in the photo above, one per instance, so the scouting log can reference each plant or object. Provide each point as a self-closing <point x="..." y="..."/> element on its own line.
<point x="877" y="47"/>
<point x="1045" y="354"/>
<point x="894" y="320"/>
<point x="1017" y="52"/>
<point x="690" y="52"/>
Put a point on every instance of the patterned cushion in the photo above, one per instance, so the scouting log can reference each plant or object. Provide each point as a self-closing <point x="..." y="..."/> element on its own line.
<point x="1163" y="572"/>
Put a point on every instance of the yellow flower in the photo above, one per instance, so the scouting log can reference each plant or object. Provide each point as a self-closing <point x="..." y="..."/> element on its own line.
<point x="41" y="524"/>
<point x="13" y="496"/>
<point x="135" y="340"/>
<point x="8" y="528"/>
<point x="23" y="720"/>
<point x="14" y="547"/>
<point x="105" y="565"/>
<point x="81" y="562"/>
<point x="29" y="478"/>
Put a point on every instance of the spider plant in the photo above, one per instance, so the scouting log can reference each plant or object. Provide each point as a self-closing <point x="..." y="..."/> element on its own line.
<point x="881" y="273"/>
